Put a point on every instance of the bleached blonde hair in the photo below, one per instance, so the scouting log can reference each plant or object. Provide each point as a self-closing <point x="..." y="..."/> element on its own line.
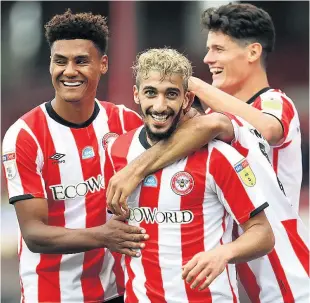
<point x="167" y="61"/>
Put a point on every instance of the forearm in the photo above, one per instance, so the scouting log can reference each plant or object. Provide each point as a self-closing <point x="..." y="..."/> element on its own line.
<point x="41" y="238"/>
<point x="220" y="101"/>
<point x="250" y="245"/>
<point x="188" y="137"/>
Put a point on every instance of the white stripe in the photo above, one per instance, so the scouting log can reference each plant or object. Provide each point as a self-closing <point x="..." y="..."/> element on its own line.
<point x="71" y="173"/>
<point x="28" y="263"/>
<point x="169" y="238"/>
<point x="108" y="281"/>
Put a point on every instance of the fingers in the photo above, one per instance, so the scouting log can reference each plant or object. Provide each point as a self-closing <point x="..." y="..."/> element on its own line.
<point x="201" y="277"/>
<point x="188" y="267"/>
<point x="114" y="205"/>
<point x="129" y="252"/>
<point x="207" y="282"/>
<point x="133" y="245"/>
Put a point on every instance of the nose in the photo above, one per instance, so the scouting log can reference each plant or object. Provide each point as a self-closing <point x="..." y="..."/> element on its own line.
<point x="70" y="70"/>
<point x="160" y="104"/>
<point x="209" y="58"/>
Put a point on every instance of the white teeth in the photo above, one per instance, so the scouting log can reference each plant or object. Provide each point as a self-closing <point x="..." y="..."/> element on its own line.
<point x="216" y="70"/>
<point x="72" y="83"/>
<point x="159" y="118"/>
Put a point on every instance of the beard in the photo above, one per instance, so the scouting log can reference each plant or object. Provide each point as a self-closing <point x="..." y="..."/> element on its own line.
<point x="155" y="137"/>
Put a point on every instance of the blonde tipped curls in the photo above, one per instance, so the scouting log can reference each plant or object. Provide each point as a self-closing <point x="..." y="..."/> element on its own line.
<point x="167" y="61"/>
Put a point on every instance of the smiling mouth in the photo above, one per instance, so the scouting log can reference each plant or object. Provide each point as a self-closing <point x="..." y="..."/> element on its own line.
<point x="216" y="71"/>
<point x="160" y="118"/>
<point x="72" y="84"/>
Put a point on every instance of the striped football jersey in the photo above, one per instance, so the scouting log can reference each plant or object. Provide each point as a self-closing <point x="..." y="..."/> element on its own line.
<point x="186" y="208"/>
<point x="282" y="275"/>
<point x="47" y="157"/>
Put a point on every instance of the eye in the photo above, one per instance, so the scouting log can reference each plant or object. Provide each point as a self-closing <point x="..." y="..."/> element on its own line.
<point x="82" y="61"/>
<point x="172" y="95"/>
<point x="60" y="61"/>
<point x="150" y="93"/>
<point x="219" y="49"/>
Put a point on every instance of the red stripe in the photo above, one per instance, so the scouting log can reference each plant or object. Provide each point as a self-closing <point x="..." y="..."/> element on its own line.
<point x="281" y="277"/>
<point x="231" y="186"/>
<point x="150" y="256"/>
<point x="26" y="154"/>
<point x="275" y="155"/>
<point x="120" y="150"/>
<point x="248" y="280"/>
<point x="130" y="295"/>
<point x="242" y="150"/>
<point x="49" y="266"/>
<point x="287" y="115"/>
<point x="131" y="120"/>
<point x="297" y="243"/>
<point x="227" y="269"/>
<point x="95" y="207"/>
<point x="192" y="234"/>
<point x="114" y="121"/>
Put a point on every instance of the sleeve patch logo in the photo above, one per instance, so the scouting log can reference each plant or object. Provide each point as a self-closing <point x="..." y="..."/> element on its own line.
<point x="245" y="173"/>
<point x="9" y="163"/>
<point x="272" y="104"/>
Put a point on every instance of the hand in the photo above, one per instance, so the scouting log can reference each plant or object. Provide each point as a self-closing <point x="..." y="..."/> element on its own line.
<point x="205" y="266"/>
<point x="121" y="185"/>
<point x="122" y="238"/>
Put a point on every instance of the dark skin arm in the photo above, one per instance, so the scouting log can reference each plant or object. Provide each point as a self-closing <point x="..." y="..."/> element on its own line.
<point x="189" y="137"/>
<point x="40" y="237"/>
<point x="256" y="241"/>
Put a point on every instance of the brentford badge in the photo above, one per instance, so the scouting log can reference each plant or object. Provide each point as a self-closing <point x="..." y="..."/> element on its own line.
<point x="107" y="138"/>
<point x="182" y="183"/>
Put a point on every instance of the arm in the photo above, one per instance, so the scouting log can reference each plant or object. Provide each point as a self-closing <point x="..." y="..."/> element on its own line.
<point x="189" y="136"/>
<point x="40" y="237"/>
<point x="256" y="241"/>
<point x="269" y="126"/>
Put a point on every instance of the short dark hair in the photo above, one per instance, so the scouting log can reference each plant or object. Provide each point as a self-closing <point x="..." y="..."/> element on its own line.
<point x="244" y="22"/>
<point x="70" y="26"/>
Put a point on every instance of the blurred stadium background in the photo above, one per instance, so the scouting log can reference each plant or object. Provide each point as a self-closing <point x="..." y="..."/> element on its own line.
<point x="134" y="26"/>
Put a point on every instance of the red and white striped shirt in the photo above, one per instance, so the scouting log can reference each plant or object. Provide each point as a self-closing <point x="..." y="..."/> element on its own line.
<point x="47" y="157"/>
<point x="186" y="208"/>
<point x="282" y="275"/>
<point x="286" y="157"/>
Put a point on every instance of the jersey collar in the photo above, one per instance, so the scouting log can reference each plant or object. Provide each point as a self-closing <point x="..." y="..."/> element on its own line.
<point x="51" y="112"/>
<point x="253" y="98"/>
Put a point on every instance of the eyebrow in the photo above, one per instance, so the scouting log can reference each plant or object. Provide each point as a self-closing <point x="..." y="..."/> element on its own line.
<point x="77" y="57"/>
<point x="169" y="88"/>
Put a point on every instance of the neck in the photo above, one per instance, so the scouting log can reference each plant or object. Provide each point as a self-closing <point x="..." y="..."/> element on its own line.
<point x="253" y="84"/>
<point x="74" y="112"/>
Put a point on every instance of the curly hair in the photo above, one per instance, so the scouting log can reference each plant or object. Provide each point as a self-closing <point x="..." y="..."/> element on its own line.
<point x="165" y="60"/>
<point x="70" y="26"/>
<point x="242" y="22"/>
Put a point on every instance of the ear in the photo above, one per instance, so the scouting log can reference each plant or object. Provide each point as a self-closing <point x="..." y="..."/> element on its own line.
<point x="104" y="64"/>
<point x="136" y="94"/>
<point x="188" y="101"/>
<point x="254" y="52"/>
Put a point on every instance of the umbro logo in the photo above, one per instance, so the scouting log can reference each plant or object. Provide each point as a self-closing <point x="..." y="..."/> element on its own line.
<point x="57" y="158"/>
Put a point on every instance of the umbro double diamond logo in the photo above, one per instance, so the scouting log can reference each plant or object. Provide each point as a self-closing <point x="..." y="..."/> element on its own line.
<point x="57" y="158"/>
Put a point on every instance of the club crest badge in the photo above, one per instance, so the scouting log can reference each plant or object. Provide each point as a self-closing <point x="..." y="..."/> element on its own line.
<point x="107" y="138"/>
<point x="245" y="173"/>
<point x="88" y="152"/>
<point x="9" y="163"/>
<point x="150" y="181"/>
<point x="182" y="183"/>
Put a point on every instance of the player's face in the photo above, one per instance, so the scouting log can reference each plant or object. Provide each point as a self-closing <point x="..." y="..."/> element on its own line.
<point x="227" y="61"/>
<point x="162" y="103"/>
<point x="76" y="67"/>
